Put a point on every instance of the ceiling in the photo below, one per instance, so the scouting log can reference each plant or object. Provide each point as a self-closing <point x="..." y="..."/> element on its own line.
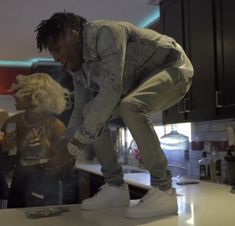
<point x="20" y="18"/>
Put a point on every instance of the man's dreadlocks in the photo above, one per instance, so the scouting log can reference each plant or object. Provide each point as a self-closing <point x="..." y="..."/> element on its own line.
<point x="57" y="24"/>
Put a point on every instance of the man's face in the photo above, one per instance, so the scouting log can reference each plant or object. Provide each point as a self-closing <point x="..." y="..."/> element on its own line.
<point x="67" y="49"/>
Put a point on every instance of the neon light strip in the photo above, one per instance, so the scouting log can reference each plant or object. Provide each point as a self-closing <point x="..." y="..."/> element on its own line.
<point x="22" y="63"/>
<point x="155" y="16"/>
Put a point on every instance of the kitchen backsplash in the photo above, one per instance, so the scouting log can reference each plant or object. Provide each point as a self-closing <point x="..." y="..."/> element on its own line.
<point x="210" y="136"/>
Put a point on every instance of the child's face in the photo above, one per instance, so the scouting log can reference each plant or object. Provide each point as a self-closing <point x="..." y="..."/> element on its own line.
<point x="22" y="103"/>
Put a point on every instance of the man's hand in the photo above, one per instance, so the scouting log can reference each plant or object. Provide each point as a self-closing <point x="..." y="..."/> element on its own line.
<point x="77" y="143"/>
<point x="61" y="157"/>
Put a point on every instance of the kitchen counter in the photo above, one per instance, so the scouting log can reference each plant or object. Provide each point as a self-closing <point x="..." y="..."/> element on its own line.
<point x="139" y="179"/>
<point x="203" y="204"/>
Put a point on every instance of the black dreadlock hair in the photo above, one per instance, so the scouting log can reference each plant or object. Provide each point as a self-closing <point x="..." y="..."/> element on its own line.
<point x="57" y="24"/>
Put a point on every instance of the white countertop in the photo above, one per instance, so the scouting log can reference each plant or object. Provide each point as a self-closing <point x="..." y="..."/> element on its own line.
<point x="203" y="204"/>
<point x="141" y="180"/>
<point x="199" y="205"/>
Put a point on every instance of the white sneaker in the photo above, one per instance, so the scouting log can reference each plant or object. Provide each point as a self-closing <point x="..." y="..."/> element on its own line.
<point x="108" y="196"/>
<point x="154" y="203"/>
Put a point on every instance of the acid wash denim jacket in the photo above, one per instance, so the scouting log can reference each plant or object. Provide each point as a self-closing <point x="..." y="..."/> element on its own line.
<point x="117" y="57"/>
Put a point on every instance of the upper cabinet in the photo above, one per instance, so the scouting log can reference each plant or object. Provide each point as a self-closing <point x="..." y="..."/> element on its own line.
<point x="225" y="57"/>
<point x="172" y="24"/>
<point x="205" y="30"/>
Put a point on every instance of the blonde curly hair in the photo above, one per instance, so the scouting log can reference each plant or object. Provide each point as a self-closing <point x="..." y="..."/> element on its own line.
<point x="47" y="94"/>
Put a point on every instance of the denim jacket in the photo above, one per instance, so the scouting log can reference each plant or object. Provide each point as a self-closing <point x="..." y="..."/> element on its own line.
<point x="117" y="57"/>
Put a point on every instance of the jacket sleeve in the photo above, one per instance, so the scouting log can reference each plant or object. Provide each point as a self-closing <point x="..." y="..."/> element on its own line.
<point x="111" y="50"/>
<point x="81" y="97"/>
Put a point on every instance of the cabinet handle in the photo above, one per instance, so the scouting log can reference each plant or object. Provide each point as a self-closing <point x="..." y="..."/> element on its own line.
<point x="180" y="108"/>
<point x="186" y="105"/>
<point x="217" y="97"/>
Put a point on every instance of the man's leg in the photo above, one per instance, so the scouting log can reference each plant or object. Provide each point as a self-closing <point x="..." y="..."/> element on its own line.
<point x="159" y="92"/>
<point x="114" y="193"/>
<point x="107" y="156"/>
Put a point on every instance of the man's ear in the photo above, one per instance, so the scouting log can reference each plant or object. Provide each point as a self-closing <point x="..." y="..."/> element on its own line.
<point x="75" y="35"/>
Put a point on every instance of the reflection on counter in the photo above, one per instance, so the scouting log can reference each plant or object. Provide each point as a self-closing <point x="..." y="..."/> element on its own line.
<point x="196" y="208"/>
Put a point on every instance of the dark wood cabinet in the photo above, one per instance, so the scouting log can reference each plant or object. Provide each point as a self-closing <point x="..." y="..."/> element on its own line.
<point x="172" y="24"/>
<point x="225" y="57"/>
<point x="205" y="29"/>
<point x="199" y="44"/>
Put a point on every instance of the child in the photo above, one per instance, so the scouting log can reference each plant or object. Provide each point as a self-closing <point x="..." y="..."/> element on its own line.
<point x="36" y="133"/>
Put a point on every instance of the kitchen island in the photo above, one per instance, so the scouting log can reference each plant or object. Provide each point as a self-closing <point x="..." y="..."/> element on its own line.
<point x="203" y="204"/>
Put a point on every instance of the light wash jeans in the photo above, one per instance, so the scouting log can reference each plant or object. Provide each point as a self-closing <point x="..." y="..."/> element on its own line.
<point x="158" y="92"/>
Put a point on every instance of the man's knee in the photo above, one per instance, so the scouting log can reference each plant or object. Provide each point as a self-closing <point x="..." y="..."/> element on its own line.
<point x="128" y="107"/>
<point x="125" y="107"/>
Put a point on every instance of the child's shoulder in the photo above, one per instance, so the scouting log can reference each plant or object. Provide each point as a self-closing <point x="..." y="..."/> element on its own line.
<point x="54" y="122"/>
<point x="15" y="118"/>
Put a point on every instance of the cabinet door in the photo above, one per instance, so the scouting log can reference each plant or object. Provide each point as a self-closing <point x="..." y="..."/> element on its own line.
<point x="199" y="46"/>
<point x="191" y="23"/>
<point x="171" y="21"/>
<point x="225" y="43"/>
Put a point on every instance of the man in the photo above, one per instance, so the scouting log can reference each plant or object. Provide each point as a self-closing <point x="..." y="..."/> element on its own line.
<point x="133" y="72"/>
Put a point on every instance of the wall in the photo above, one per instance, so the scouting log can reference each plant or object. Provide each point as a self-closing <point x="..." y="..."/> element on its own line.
<point x="155" y="26"/>
<point x="7" y="103"/>
<point x="8" y="75"/>
<point x="7" y="78"/>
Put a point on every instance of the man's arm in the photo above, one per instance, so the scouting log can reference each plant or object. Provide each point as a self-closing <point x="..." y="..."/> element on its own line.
<point x="81" y="97"/>
<point x="111" y="49"/>
<point x="62" y="155"/>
